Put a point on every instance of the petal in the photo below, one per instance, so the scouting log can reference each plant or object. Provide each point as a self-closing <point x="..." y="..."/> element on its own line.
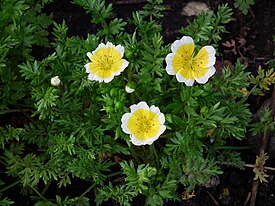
<point x="95" y="77"/>
<point x="210" y="72"/>
<point x="140" y="105"/>
<point x="123" y="67"/>
<point x="120" y="49"/>
<point x="108" y="79"/>
<point x="154" y="109"/>
<point x="136" y="141"/>
<point x="91" y="77"/>
<point x="169" y="68"/>
<point x="206" y="57"/>
<point x="89" y="55"/>
<point x="176" y="44"/>
<point x="184" y="40"/>
<point x="87" y="66"/>
<point x="124" y="120"/>
<point x="161" y="118"/>
<point x="149" y="141"/>
<point x="110" y="44"/>
<point x="101" y="45"/>
<point x="161" y="130"/>
<point x="188" y="82"/>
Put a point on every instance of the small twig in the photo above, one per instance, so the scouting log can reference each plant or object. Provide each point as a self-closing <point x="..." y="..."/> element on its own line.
<point x="247" y="199"/>
<point x="255" y="183"/>
<point x="118" y="2"/>
<point x="212" y="198"/>
<point x="16" y="111"/>
<point x="266" y="168"/>
<point x="86" y="191"/>
<point x="273" y="102"/>
<point x="264" y="141"/>
<point x="254" y="191"/>
<point x="10" y="186"/>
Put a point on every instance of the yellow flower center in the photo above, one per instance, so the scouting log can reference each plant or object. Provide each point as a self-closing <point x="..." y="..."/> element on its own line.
<point x="144" y="124"/>
<point x="190" y="67"/>
<point x="106" y="61"/>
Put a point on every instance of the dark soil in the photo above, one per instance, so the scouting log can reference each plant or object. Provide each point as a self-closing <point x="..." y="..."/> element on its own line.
<point x="253" y="36"/>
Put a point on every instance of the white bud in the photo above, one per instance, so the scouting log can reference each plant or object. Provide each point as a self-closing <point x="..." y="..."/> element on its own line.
<point x="129" y="90"/>
<point x="55" y="81"/>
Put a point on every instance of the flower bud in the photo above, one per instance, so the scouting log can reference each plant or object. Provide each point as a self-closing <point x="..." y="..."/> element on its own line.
<point x="130" y="87"/>
<point x="55" y="81"/>
<point x="129" y="90"/>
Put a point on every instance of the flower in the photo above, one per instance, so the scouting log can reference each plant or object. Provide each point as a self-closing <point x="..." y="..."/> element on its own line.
<point x="187" y="67"/>
<point x="55" y="81"/>
<point x="106" y="62"/>
<point x="144" y="124"/>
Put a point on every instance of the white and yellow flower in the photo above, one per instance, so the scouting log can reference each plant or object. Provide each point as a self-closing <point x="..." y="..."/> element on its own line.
<point x="106" y="62"/>
<point x="189" y="67"/>
<point x="144" y="124"/>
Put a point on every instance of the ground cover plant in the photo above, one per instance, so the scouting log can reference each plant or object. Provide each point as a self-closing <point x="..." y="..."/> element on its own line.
<point x="121" y="117"/>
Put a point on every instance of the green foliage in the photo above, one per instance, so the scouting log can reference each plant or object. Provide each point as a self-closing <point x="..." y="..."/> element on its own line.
<point x="138" y="178"/>
<point x="22" y="26"/>
<point x="262" y="81"/>
<point x="73" y="131"/>
<point x="266" y="123"/>
<point x="83" y="201"/>
<point x="231" y="159"/>
<point x="122" y="194"/>
<point x="153" y="8"/>
<point x="208" y="27"/>
<point x="9" y="134"/>
<point x="6" y="202"/>
<point x="244" y="5"/>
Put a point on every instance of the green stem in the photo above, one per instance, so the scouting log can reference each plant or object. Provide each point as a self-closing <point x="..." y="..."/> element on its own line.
<point x="46" y="187"/>
<point x="133" y="152"/>
<point x="9" y="186"/>
<point x="114" y="174"/>
<point x="2" y="162"/>
<point x="88" y="190"/>
<point x="129" y="79"/>
<point x="138" y="96"/>
<point x="16" y="111"/>
<point x="232" y="148"/>
<point x="154" y="152"/>
<point x="249" y="93"/>
<point x="38" y="193"/>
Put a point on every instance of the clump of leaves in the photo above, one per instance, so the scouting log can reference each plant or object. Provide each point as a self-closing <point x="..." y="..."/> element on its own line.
<point x="208" y="26"/>
<point x="244" y="5"/>
<point x="74" y="128"/>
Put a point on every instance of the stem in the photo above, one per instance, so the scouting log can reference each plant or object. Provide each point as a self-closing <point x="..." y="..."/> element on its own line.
<point x="113" y="174"/>
<point x="133" y="153"/>
<point x="273" y="102"/>
<point x="88" y="190"/>
<point x="249" y="93"/>
<point x="16" y="111"/>
<point x="266" y="168"/>
<point x="38" y="193"/>
<point x="232" y="148"/>
<point x="154" y="152"/>
<point x="10" y="186"/>
<point x="262" y="152"/>
<point x="138" y="96"/>
<point x="46" y="187"/>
